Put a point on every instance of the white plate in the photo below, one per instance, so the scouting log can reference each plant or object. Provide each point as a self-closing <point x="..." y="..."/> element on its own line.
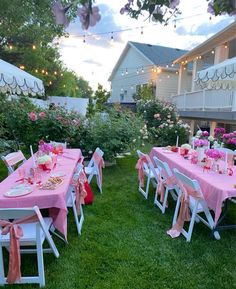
<point x="18" y="191"/>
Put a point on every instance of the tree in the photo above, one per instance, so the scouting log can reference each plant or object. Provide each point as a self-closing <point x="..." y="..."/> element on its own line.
<point x="101" y="96"/>
<point x="145" y="92"/>
<point x="83" y="88"/>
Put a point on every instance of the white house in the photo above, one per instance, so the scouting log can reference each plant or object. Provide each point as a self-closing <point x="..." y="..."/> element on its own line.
<point x="142" y="64"/>
<point x="211" y="100"/>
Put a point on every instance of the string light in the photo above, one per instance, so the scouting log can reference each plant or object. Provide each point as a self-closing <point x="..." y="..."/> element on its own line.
<point x="137" y="71"/>
<point x="84" y="39"/>
<point x="22" y="67"/>
<point x="112" y="37"/>
<point x="36" y="70"/>
<point x="33" y="47"/>
<point x="175" y="24"/>
<point x="55" y="72"/>
<point x="212" y="52"/>
<point x="141" y="30"/>
<point x="10" y="47"/>
<point x="126" y="71"/>
<point x="142" y="70"/>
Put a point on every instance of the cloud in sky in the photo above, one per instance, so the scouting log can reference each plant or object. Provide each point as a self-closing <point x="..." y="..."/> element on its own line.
<point x="95" y="59"/>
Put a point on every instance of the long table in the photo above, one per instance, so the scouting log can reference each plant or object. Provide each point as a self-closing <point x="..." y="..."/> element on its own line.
<point x="54" y="200"/>
<point x="216" y="188"/>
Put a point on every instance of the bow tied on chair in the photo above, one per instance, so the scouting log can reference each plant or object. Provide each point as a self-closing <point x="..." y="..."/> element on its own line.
<point x="184" y="212"/>
<point x="80" y="190"/>
<point x="14" y="270"/>
<point x="139" y="166"/>
<point x="162" y="183"/>
<point x="100" y="163"/>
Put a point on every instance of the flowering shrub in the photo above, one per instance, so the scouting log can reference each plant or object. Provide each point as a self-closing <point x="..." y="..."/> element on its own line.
<point x="162" y="122"/>
<point x="114" y="133"/>
<point x="27" y="124"/>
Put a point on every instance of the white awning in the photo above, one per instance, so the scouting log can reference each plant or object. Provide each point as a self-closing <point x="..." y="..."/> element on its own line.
<point x="222" y="75"/>
<point x="14" y="80"/>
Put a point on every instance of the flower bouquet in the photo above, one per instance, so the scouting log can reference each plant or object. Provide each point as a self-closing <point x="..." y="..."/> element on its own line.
<point x="44" y="162"/>
<point x="184" y="149"/>
<point x="57" y="148"/>
<point x="44" y="148"/>
<point x="215" y="155"/>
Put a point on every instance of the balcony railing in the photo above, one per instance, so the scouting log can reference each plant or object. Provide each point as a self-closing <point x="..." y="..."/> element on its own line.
<point x="206" y="100"/>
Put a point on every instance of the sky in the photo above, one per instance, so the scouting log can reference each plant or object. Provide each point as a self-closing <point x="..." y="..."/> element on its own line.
<point x="95" y="58"/>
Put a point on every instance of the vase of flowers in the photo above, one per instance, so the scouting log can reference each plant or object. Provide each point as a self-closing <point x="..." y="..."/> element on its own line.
<point x="44" y="162"/>
<point x="215" y="155"/>
<point x="201" y="145"/>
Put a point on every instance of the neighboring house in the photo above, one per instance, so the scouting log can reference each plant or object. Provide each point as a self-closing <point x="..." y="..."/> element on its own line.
<point x="203" y="104"/>
<point x="143" y="64"/>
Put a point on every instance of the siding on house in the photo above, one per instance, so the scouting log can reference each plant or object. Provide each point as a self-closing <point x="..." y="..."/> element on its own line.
<point x="127" y="80"/>
<point x="138" y="65"/>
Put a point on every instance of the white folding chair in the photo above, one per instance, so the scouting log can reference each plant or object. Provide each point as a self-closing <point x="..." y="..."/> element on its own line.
<point x="196" y="205"/>
<point x="71" y="201"/>
<point x="169" y="183"/>
<point x="12" y="159"/>
<point x="92" y="169"/>
<point x="34" y="234"/>
<point x="149" y="171"/>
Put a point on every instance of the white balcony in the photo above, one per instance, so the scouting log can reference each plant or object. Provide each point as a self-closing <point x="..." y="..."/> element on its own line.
<point x="221" y="100"/>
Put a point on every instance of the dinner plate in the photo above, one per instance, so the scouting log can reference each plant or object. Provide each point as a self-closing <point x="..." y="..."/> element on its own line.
<point x="18" y="191"/>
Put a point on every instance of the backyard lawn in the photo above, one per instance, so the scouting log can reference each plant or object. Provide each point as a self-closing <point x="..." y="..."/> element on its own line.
<point x="124" y="244"/>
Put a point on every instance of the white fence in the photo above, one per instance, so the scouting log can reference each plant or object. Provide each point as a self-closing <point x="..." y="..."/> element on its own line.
<point x="207" y="100"/>
<point x="70" y="103"/>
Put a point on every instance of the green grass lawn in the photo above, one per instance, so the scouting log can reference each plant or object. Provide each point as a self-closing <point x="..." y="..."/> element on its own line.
<point x="124" y="245"/>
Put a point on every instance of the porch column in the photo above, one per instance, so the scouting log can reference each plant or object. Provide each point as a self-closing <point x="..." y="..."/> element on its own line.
<point x="182" y="81"/>
<point x="192" y="127"/>
<point x="221" y="53"/>
<point x="197" y="65"/>
<point x="213" y="125"/>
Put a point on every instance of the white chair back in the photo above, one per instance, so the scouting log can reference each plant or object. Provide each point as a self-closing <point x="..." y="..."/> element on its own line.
<point x="12" y="159"/>
<point x="34" y="234"/>
<point x="148" y="166"/>
<point x="164" y="168"/>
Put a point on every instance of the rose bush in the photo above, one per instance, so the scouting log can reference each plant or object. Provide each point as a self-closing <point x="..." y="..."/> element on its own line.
<point x="163" y="122"/>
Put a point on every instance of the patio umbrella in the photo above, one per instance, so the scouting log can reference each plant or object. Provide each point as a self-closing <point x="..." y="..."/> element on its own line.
<point x="222" y="75"/>
<point x="14" y="80"/>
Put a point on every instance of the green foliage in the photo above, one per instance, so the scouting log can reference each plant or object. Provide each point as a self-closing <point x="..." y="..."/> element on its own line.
<point x="145" y="93"/>
<point x="101" y="96"/>
<point x="114" y="132"/>
<point x="162" y="122"/>
<point x="28" y="124"/>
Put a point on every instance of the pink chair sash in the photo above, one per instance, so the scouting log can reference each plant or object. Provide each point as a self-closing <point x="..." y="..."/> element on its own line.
<point x="80" y="190"/>
<point x="184" y="214"/>
<point x="99" y="162"/>
<point x="14" y="271"/>
<point x="139" y="166"/>
<point x="14" y="158"/>
<point x="161" y="186"/>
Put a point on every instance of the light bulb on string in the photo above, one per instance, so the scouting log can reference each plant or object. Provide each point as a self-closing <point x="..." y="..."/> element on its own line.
<point x="175" y="24"/>
<point x="137" y="71"/>
<point x="84" y="41"/>
<point x="142" y="70"/>
<point x="126" y="71"/>
<point x="33" y="46"/>
<point x="142" y="30"/>
<point x="112" y="37"/>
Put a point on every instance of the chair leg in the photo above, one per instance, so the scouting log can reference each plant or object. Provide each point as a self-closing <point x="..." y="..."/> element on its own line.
<point x="76" y="219"/>
<point x="165" y="200"/>
<point x="176" y="210"/>
<point x="99" y="183"/>
<point x="2" y="274"/>
<point x="40" y="259"/>
<point x="192" y="221"/>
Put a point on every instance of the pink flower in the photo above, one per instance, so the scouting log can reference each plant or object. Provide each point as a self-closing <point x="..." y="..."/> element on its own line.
<point x="42" y="114"/>
<point x="33" y="116"/>
<point x="88" y="17"/>
<point x="215" y="154"/>
<point x="59" y="117"/>
<point x="157" y="115"/>
<point x="60" y="13"/>
<point x="205" y="133"/>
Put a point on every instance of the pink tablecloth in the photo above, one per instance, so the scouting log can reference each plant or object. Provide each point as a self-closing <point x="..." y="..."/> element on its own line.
<point x="54" y="200"/>
<point x="215" y="187"/>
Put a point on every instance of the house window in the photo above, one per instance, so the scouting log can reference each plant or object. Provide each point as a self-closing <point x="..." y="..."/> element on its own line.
<point x="121" y="97"/>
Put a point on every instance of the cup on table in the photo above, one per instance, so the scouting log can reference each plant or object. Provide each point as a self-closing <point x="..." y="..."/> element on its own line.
<point x="21" y="172"/>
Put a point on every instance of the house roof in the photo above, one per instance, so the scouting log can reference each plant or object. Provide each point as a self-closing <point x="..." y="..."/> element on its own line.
<point x="155" y="54"/>
<point x="159" y="55"/>
<point x="223" y="36"/>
